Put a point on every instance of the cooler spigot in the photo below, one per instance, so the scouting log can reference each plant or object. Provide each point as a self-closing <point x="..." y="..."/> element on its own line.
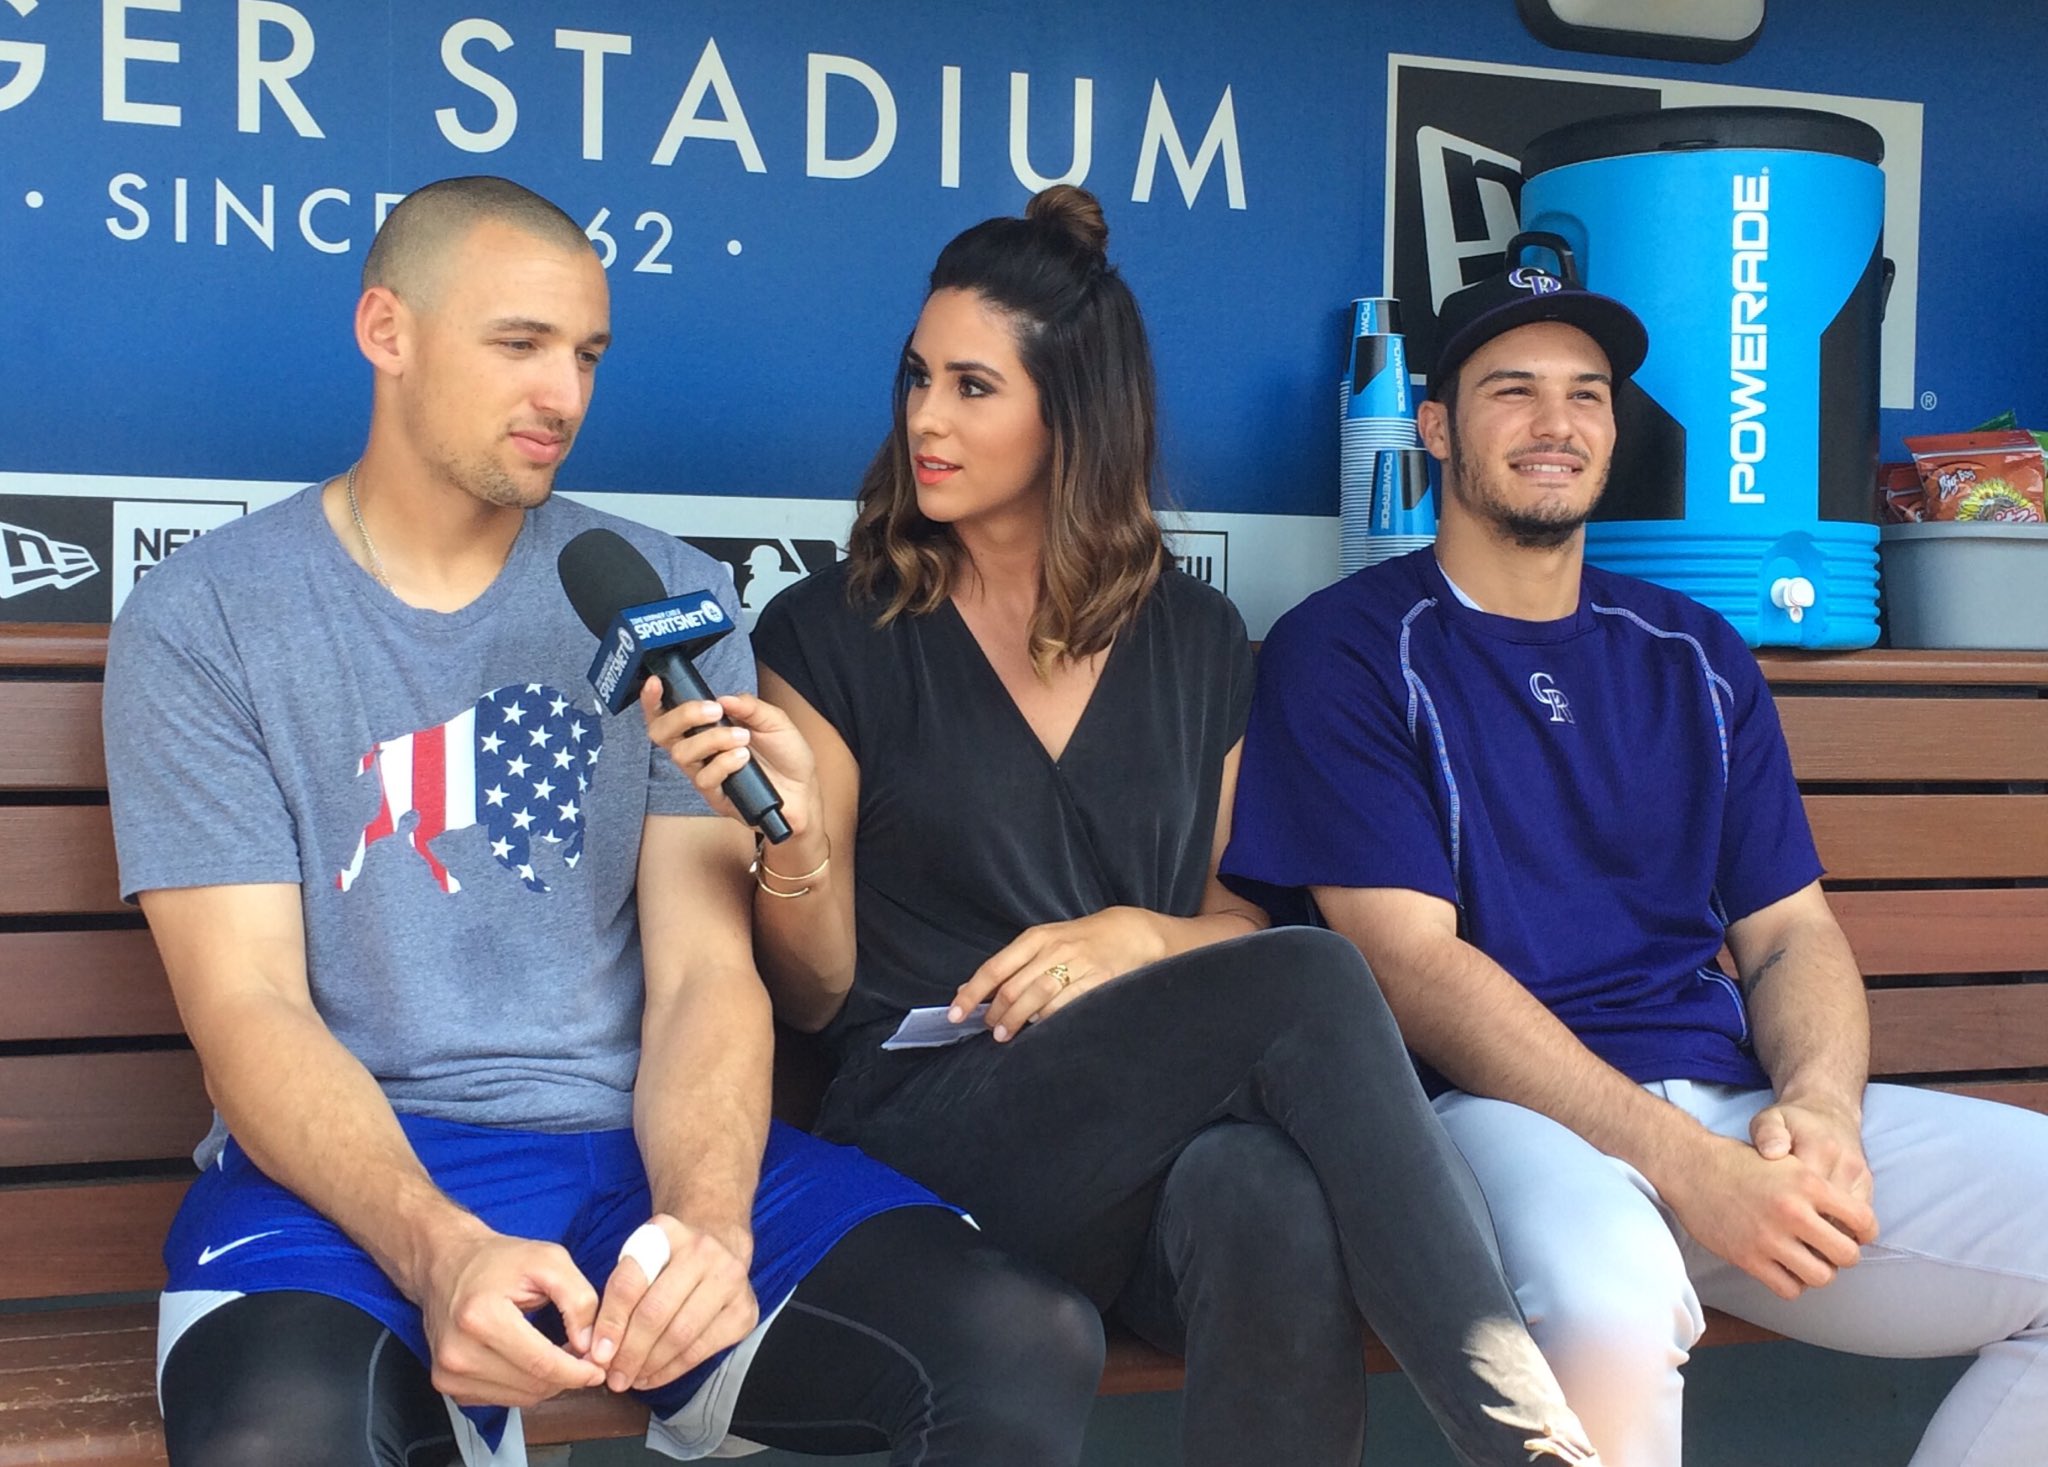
<point x="1792" y="595"/>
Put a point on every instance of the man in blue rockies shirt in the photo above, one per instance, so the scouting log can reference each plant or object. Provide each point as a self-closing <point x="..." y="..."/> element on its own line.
<point x="468" y="964"/>
<point x="1540" y="798"/>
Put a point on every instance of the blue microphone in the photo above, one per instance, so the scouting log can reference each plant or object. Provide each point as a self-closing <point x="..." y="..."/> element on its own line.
<point x="643" y="632"/>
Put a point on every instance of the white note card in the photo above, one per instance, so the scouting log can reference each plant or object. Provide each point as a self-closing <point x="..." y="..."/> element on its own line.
<point x="931" y="1029"/>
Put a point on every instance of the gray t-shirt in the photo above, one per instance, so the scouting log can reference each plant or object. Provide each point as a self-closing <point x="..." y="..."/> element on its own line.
<point x="463" y="826"/>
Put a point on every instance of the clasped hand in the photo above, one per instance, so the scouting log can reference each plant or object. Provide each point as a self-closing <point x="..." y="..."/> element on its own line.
<point x="1045" y="968"/>
<point x="639" y="1336"/>
<point x="1793" y="1208"/>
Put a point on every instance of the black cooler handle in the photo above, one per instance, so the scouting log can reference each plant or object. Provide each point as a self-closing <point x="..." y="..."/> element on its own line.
<point x="1543" y="239"/>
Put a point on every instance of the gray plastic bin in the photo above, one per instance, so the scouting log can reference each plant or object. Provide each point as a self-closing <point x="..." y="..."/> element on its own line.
<point x="1971" y="584"/>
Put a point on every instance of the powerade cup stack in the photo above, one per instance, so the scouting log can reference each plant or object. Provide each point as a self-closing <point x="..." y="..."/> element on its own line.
<point x="1750" y="241"/>
<point x="1385" y="508"/>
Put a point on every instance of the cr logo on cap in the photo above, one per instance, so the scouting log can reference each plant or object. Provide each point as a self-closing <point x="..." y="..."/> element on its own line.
<point x="1536" y="282"/>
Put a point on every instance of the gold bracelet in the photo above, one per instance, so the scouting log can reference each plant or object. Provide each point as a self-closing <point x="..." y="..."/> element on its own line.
<point x="784" y="895"/>
<point x="760" y="869"/>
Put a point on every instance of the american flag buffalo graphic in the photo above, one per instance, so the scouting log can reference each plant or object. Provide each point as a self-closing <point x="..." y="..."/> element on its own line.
<point x="517" y="762"/>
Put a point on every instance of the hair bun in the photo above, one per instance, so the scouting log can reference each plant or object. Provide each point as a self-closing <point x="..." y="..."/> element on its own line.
<point x="1074" y="212"/>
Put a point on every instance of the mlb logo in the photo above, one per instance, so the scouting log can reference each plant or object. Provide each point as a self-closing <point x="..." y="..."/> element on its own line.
<point x="762" y="566"/>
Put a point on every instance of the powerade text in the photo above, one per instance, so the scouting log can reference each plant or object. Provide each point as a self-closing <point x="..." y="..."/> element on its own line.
<point x="1748" y="334"/>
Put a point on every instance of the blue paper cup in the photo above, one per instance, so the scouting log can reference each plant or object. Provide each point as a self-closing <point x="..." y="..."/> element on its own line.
<point x="1379" y="377"/>
<point x="1375" y="315"/>
<point x="1363" y="435"/>
<point x="1401" y="502"/>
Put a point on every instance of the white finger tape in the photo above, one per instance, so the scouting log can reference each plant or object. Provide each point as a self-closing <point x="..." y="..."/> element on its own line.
<point x="646" y="1245"/>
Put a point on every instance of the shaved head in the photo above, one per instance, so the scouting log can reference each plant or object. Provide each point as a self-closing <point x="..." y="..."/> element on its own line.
<point x="417" y="239"/>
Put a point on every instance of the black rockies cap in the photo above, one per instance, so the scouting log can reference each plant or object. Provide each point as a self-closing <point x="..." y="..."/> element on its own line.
<point x="1475" y="315"/>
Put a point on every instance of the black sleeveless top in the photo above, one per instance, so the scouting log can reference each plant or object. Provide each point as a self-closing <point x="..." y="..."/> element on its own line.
<point x="967" y="830"/>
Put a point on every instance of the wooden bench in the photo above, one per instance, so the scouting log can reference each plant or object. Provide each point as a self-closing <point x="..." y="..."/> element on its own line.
<point x="1925" y="777"/>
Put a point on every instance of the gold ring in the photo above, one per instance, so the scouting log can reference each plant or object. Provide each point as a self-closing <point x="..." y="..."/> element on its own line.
<point x="1059" y="974"/>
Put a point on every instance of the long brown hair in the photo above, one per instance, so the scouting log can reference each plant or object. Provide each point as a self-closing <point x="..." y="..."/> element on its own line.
<point x="1082" y="342"/>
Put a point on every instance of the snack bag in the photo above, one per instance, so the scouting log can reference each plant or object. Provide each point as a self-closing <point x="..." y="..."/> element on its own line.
<point x="1981" y="476"/>
<point x="1900" y="498"/>
<point x="2008" y="420"/>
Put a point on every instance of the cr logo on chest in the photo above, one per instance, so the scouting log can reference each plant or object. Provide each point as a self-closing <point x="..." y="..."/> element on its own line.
<point x="1545" y="690"/>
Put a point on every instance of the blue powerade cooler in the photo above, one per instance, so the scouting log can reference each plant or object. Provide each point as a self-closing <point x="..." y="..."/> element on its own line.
<point x="1750" y="241"/>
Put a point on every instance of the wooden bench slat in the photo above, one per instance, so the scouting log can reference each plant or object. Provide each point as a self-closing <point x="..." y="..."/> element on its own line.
<point x="79" y="1385"/>
<point x="116" y="1426"/>
<point x="1900" y="740"/>
<point x="52" y="737"/>
<point x="54" y="1389"/>
<point x="68" y="1352"/>
<point x="58" y="1109"/>
<point x="89" y="1335"/>
<point x="2027" y="1094"/>
<point x="1910" y="666"/>
<point x="88" y="1238"/>
<point x="1907" y="837"/>
<point x="53" y="644"/>
<point x="1928" y="1031"/>
<point x="83" y="985"/>
<point x="1988" y="931"/>
<point x="592" y="1415"/>
<point x="57" y="859"/>
<point x="107" y="1411"/>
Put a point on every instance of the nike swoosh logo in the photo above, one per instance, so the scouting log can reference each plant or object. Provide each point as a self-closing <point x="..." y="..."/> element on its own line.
<point x="207" y="1255"/>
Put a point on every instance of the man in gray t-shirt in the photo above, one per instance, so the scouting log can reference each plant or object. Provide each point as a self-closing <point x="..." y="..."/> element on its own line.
<point x="467" y="962"/>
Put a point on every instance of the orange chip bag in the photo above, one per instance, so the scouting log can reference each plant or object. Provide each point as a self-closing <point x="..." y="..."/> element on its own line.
<point x="1900" y="498"/>
<point x="1981" y="476"/>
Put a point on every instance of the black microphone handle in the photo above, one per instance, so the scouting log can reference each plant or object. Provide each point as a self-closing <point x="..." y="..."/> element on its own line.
<point x="748" y="789"/>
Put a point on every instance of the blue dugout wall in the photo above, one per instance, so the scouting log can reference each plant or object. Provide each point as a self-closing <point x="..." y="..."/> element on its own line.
<point x="187" y="188"/>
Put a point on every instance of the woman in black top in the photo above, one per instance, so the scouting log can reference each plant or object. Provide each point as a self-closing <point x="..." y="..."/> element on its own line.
<point x="1006" y="732"/>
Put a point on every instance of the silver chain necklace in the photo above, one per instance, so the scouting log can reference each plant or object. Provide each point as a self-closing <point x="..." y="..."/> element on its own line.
<point x="369" y="546"/>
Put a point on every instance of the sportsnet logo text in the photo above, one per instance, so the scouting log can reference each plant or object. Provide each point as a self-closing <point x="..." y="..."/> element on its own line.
<point x="706" y="616"/>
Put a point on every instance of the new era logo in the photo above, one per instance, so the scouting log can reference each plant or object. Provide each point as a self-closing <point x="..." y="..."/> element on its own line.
<point x="32" y="561"/>
<point x="1471" y="198"/>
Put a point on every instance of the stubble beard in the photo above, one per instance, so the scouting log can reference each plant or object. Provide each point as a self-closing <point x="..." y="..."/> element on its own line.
<point x="487" y="481"/>
<point x="1484" y="496"/>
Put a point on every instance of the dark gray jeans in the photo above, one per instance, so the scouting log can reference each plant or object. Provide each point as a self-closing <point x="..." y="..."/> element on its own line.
<point x="1230" y="1151"/>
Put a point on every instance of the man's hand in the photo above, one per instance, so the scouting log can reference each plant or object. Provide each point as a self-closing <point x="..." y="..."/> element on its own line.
<point x="1781" y="1221"/>
<point x="485" y="1351"/>
<point x="649" y="1334"/>
<point x="1828" y="1139"/>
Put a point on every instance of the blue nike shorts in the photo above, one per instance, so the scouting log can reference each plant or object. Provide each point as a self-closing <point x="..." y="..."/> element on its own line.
<point x="238" y="1232"/>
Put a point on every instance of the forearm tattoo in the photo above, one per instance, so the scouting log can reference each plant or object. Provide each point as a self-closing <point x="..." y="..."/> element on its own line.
<point x="1753" y="981"/>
